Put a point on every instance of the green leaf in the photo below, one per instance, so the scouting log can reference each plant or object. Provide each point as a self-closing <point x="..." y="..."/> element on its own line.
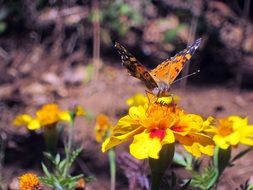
<point x="74" y="155"/>
<point x="205" y="180"/>
<point x="179" y="159"/>
<point x="62" y="165"/>
<point x="57" y="159"/>
<point x="45" y="170"/>
<point x="171" y="34"/>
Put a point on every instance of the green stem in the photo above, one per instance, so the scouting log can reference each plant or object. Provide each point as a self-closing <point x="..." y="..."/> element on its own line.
<point x="159" y="166"/>
<point x="69" y="144"/>
<point x="51" y="138"/>
<point x="222" y="158"/>
<point x="111" y="155"/>
<point x="156" y="179"/>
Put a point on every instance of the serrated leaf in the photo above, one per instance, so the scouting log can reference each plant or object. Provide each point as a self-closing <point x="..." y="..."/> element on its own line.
<point x="74" y="155"/>
<point x="62" y="165"/>
<point x="45" y="170"/>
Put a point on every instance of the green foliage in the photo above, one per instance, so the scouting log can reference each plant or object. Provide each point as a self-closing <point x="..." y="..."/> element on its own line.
<point x="206" y="179"/>
<point x="60" y="178"/>
<point x="186" y="160"/>
<point x="171" y="34"/>
<point x="121" y="16"/>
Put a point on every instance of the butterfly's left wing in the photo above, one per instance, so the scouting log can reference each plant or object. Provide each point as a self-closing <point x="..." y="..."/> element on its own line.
<point x="169" y="69"/>
<point x="135" y="68"/>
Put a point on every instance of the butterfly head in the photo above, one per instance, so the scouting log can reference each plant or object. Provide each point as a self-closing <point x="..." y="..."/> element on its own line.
<point x="162" y="91"/>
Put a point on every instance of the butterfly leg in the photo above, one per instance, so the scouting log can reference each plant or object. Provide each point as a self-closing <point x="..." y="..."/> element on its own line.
<point x="151" y="98"/>
<point x="173" y="102"/>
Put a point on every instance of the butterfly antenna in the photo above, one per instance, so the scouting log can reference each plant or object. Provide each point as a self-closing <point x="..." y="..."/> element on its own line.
<point x="186" y="76"/>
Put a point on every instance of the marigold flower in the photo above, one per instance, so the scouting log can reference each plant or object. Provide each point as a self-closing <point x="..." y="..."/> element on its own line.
<point x="46" y="116"/>
<point x="158" y="124"/>
<point x="102" y="127"/>
<point x="51" y="113"/>
<point x="232" y="131"/>
<point x="29" y="181"/>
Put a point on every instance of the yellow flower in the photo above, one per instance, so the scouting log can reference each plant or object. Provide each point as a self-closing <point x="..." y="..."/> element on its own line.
<point x="46" y="116"/>
<point x="51" y="113"/>
<point x="137" y="99"/>
<point x="102" y="127"/>
<point x="232" y="131"/>
<point x="25" y="119"/>
<point x="29" y="181"/>
<point x="158" y="124"/>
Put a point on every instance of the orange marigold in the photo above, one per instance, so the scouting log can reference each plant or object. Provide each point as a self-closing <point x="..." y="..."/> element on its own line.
<point x="29" y="181"/>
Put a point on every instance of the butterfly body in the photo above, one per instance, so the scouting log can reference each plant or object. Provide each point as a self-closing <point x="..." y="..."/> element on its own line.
<point x="159" y="80"/>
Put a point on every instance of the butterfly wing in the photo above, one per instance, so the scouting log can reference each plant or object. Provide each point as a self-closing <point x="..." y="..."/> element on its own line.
<point x="135" y="68"/>
<point x="169" y="69"/>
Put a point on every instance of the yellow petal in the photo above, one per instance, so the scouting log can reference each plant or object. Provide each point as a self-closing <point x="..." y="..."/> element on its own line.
<point x="22" y="120"/>
<point x="247" y="141"/>
<point x="34" y="124"/>
<point x="197" y="143"/>
<point x="193" y="149"/>
<point x="169" y="137"/>
<point x="116" y="140"/>
<point x="220" y="141"/>
<point x="64" y="116"/>
<point x="144" y="147"/>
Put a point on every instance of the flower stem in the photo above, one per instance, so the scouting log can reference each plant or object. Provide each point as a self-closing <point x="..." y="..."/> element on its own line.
<point x="111" y="155"/>
<point x="51" y="138"/>
<point x="159" y="166"/>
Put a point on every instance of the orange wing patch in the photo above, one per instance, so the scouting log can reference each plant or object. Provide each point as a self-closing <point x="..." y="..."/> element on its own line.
<point x="169" y="69"/>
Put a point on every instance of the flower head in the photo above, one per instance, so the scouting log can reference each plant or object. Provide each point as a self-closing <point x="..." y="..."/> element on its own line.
<point x="102" y="127"/>
<point x="29" y="181"/>
<point x="158" y="124"/>
<point x="51" y="113"/>
<point x="232" y="131"/>
<point x="48" y="115"/>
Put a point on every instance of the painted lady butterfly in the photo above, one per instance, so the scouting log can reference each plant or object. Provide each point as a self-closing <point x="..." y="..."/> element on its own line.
<point x="158" y="80"/>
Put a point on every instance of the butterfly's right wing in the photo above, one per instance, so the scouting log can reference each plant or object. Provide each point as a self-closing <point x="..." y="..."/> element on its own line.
<point x="169" y="69"/>
<point x="135" y="68"/>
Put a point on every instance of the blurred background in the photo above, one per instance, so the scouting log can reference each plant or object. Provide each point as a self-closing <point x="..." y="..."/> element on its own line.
<point x="63" y="51"/>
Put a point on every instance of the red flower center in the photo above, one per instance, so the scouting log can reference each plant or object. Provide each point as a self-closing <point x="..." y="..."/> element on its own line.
<point x="178" y="128"/>
<point x="159" y="133"/>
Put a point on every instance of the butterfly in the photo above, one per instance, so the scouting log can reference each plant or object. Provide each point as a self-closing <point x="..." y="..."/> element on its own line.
<point x="158" y="81"/>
